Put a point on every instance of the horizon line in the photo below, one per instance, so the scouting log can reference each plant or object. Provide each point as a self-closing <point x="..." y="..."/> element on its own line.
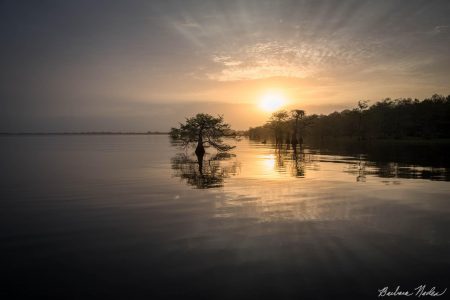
<point x="87" y="133"/>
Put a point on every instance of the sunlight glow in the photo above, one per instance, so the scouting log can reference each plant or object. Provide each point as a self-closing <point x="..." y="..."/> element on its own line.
<point x="269" y="163"/>
<point x="272" y="101"/>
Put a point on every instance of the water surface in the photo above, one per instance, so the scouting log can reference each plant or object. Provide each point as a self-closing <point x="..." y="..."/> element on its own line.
<point x="131" y="217"/>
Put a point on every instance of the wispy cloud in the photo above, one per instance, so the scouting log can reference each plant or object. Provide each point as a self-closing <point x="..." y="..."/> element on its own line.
<point x="285" y="59"/>
<point x="441" y="29"/>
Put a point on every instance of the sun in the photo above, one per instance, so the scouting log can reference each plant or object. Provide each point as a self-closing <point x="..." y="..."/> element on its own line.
<point x="272" y="101"/>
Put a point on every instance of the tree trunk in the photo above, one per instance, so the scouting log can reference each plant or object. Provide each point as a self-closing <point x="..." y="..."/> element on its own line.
<point x="200" y="163"/>
<point x="200" y="150"/>
<point x="294" y="140"/>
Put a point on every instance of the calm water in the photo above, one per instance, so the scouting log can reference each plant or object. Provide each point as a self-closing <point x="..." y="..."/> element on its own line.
<point x="131" y="217"/>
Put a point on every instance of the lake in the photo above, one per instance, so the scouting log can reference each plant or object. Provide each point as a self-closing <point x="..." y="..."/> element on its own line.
<point x="132" y="217"/>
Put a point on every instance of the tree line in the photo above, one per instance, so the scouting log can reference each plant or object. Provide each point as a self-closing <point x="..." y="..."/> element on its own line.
<point x="386" y="119"/>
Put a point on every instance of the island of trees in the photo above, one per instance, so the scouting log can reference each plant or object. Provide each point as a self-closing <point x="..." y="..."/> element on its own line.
<point x="404" y="118"/>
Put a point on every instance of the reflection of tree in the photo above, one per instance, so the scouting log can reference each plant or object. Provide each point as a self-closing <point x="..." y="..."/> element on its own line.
<point x="294" y="161"/>
<point x="204" y="171"/>
<point x="280" y="158"/>
<point x="363" y="167"/>
<point x="361" y="170"/>
<point x="299" y="159"/>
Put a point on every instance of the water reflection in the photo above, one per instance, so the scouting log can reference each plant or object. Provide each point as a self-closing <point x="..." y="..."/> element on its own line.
<point x="205" y="171"/>
<point x="308" y="162"/>
<point x="312" y="219"/>
<point x="295" y="161"/>
<point x="288" y="162"/>
<point x="394" y="170"/>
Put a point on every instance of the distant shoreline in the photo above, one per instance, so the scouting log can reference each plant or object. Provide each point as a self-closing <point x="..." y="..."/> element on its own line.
<point x="85" y="133"/>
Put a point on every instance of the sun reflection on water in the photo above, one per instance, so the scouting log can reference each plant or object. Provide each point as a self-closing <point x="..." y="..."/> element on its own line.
<point x="273" y="185"/>
<point x="284" y="185"/>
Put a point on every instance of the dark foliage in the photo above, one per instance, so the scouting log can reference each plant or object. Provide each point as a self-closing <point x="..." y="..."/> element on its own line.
<point x="386" y="119"/>
<point x="203" y="130"/>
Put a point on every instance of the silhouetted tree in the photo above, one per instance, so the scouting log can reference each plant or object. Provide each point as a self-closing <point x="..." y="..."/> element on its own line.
<point x="204" y="130"/>
<point x="362" y="106"/>
<point x="385" y="119"/>
<point x="297" y="114"/>
<point x="277" y="123"/>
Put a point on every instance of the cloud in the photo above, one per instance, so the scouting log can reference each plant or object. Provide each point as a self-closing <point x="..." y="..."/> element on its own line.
<point x="260" y="60"/>
<point x="441" y="29"/>
<point x="286" y="59"/>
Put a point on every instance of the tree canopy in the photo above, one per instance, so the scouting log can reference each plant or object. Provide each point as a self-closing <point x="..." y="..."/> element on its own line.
<point x="204" y="130"/>
<point x="385" y="119"/>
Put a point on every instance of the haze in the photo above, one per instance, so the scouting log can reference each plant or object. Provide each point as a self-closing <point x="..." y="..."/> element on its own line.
<point x="145" y="65"/>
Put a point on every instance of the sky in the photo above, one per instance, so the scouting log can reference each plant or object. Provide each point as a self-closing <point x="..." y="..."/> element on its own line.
<point x="146" y="65"/>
